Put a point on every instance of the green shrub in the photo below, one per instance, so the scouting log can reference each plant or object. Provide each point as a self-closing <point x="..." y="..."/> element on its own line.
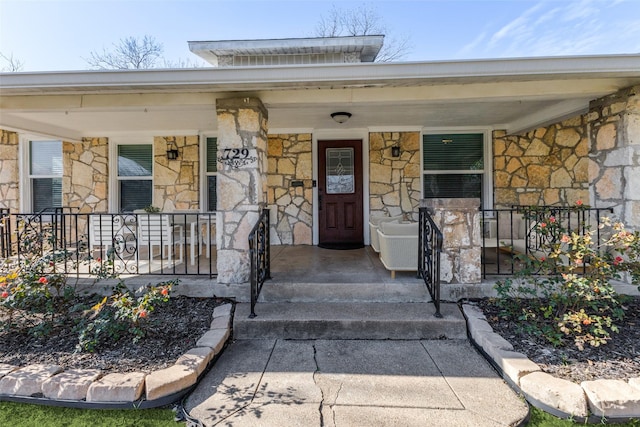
<point x="36" y="298"/>
<point x="568" y="294"/>
<point x="32" y="289"/>
<point x="122" y="313"/>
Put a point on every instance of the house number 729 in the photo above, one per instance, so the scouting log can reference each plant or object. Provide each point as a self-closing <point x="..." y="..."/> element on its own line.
<point x="235" y="153"/>
<point x="236" y="158"/>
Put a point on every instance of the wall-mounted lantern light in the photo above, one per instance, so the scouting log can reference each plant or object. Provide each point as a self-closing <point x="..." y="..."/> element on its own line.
<point x="395" y="151"/>
<point x="172" y="150"/>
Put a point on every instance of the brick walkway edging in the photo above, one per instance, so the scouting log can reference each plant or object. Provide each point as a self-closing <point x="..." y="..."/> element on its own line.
<point x="87" y="388"/>
<point x="613" y="400"/>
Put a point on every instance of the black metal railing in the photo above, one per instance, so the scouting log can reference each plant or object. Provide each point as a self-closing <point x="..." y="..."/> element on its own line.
<point x="5" y="233"/>
<point x="429" y="250"/>
<point x="259" y="257"/>
<point x="511" y="235"/>
<point x="177" y="243"/>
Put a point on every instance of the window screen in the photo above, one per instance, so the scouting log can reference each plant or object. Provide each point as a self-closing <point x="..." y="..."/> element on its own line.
<point x="135" y="160"/>
<point x="45" y="167"/>
<point x="135" y="174"/>
<point x="453" y="165"/>
<point x="135" y="194"/>
<point x="212" y="168"/>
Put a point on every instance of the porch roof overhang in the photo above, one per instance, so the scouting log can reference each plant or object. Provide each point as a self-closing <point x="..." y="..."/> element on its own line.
<point x="367" y="47"/>
<point x="513" y="94"/>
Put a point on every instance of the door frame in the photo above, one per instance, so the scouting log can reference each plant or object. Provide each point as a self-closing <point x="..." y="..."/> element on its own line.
<point x="337" y="135"/>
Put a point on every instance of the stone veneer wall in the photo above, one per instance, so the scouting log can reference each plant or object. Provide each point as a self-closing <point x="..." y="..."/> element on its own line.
<point x="176" y="182"/>
<point x="614" y="165"/>
<point x="289" y="158"/>
<point x="9" y="170"/>
<point x="459" y="222"/>
<point x="86" y="175"/>
<point x="394" y="182"/>
<point x="546" y="166"/>
<point x="242" y="188"/>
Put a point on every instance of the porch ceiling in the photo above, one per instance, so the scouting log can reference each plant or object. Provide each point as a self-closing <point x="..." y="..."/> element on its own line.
<point x="514" y="95"/>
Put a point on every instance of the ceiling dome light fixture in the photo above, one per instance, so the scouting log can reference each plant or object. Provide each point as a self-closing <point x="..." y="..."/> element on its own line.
<point x="341" y="116"/>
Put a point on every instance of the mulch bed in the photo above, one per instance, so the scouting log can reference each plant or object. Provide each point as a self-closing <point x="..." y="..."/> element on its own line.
<point x="178" y="324"/>
<point x="174" y="329"/>
<point x="618" y="359"/>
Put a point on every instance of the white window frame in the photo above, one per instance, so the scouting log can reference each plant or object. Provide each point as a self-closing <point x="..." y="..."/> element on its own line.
<point x="204" y="184"/>
<point x="487" y="177"/>
<point x="114" y="181"/>
<point x="25" y="176"/>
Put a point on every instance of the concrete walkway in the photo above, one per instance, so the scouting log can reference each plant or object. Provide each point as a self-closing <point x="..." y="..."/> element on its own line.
<point x="346" y="383"/>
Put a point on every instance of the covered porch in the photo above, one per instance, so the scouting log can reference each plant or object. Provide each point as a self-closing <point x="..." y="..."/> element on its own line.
<point x="238" y="140"/>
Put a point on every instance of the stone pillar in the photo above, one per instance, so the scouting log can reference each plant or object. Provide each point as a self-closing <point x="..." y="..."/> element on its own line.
<point x="242" y="182"/>
<point x="85" y="175"/>
<point x="459" y="222"/>
<point x="614" y="166"/>
<point x="176" y="182"/>
<point x="395" y="187"/>
<point x="9" y="171"/>
<point x="290" y="161"/>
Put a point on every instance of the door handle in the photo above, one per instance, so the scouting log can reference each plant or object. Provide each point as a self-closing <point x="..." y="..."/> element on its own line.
<point x="319" y="202"/>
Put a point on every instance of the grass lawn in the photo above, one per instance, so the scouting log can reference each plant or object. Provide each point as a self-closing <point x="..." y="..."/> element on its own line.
<point x="542" y="419"/>
<point x="21" y="414"/>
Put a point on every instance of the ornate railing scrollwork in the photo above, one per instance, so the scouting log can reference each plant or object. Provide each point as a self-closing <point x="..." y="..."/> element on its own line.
<point x="429" y="249"/>
<point x="259" y="257"/>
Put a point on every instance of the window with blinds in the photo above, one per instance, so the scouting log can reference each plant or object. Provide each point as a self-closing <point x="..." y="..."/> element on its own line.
<point x="135" y="176"/>
<point x="453" y="165"/>
<point x="45" y="174"/>
<point x="211" y="172"/>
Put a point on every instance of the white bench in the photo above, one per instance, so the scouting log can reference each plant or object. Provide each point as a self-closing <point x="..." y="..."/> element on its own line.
<point x="398" y="246"/>
<point x="374" y="224"/>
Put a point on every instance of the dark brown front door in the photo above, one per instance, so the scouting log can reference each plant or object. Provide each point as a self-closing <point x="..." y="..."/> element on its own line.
<point x="340" y="194"/>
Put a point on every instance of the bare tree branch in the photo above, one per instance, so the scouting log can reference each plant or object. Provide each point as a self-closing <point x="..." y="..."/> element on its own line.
<point x="329" y="26"/>
<point x="128" y="53"/>
<point x="10" y="64"/>
<point x="183" y="63"/>
<point x="362" y="21"/>
<point x="394" y="49"/>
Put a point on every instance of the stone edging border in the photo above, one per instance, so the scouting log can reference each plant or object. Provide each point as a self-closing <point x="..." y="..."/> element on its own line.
<point x="89" y="389"/>
<point x="614" y="400"/>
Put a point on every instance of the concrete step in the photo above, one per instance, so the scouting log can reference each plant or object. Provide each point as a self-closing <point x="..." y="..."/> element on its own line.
<point x="413" y="291"/>
<point x="348" y="320"/>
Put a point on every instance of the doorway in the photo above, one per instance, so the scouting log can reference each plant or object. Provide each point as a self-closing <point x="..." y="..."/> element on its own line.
<point x="340" y="186"/>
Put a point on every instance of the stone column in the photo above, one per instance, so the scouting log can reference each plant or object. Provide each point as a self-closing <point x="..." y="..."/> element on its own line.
<point x="459" y="222"/>
<point x="176" y="181"/>
<point x="395" y="187"/>
<point x="242" y="182"/>
<point x="9" y="171"/>
<point x="631" y="132"/>
<point x="85" y="175"/>
<point x="615" y="152"/>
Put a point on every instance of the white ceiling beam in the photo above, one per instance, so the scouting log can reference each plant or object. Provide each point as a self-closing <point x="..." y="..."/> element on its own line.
<point x="21" y="125"/>
<point x="553" y="114"/>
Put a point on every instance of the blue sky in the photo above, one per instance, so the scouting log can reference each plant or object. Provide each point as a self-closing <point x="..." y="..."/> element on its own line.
<point x="49" y="35"/>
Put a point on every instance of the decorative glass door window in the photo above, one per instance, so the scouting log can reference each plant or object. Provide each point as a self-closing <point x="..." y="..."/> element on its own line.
<point x="340" y="171"/>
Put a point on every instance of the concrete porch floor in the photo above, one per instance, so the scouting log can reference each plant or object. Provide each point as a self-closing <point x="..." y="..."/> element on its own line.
<point x="312" y="264"/>
<point x="313" y="274"/>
